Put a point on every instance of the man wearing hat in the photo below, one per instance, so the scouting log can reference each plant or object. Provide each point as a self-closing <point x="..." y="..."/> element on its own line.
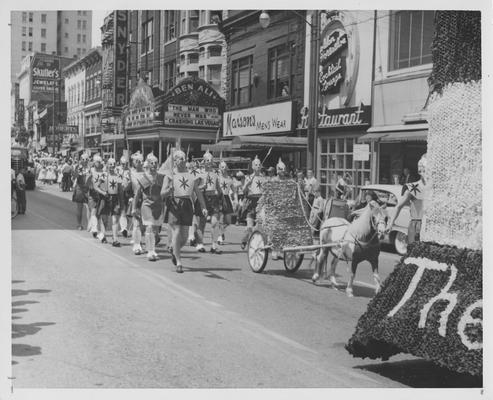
<point x="136" y="173"/>
<point x="149" y="193"/>
<point x="212" y="194"/>
<point x="178" y="189"/>
<point x="111" y="199"/>
<point x="253" y="192"/>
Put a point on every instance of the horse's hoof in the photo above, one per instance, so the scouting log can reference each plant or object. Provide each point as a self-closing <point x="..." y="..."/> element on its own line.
<point x="349" y="292"/>
<point x="315" y="278"/>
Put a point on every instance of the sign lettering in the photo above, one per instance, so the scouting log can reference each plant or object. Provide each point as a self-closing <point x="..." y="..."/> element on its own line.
<point x="332" y="60"/>
<point x="45" y="75"/>
<point x="349" y="116"/>
<point x="120" y="59"/>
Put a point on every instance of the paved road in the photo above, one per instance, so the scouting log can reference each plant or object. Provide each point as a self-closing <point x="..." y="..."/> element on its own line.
<point x="88" y="315"/>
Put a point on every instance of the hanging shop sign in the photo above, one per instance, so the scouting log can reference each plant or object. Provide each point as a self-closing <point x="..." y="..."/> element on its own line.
<point x="342" y="117"/>
<point x="338" y="55"/>
<point x="65" y="129"/>
<point x="193" y="103"/>
<point x="120" y="58"/>
<point x="256" y="120"/>
<point x="45" y="75"/>
<point x="19" y="111"/>
<point x="361" y="152"/>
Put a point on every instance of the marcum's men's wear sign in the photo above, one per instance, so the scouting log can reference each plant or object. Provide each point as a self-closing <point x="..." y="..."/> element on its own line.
<point x="266" y="119"/>
<point x="45" y="75"/>
<point x="430" y="306"/>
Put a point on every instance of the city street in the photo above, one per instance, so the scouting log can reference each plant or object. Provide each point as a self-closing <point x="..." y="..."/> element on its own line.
<point x="88" y="315"/>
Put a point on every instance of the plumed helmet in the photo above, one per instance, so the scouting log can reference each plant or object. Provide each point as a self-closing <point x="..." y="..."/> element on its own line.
<point x="240" y="174"/>
<point x="97" y="158"/>
<point x="256" y="164"/>
<point x="84" y="157"/>
<point x="223" y="166"/>
<point x="151" y="158"/>
<point x="123" y="160"/>
<point x="179" y="155"/>
<point x="111" y="162"/>
<point x="422" y="160"/>
<point x="145" y="164"/>
<point x="208" y="156"/>
<point x="137" y="156"/>
<point x="281" y="167"/>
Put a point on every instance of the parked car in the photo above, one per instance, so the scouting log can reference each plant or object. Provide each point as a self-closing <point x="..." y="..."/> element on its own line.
<point x="389" y="195"/>
<point x="19" y="159"/>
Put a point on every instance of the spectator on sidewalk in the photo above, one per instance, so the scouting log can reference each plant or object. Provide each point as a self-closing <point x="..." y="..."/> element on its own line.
<point x="21" y="191"/>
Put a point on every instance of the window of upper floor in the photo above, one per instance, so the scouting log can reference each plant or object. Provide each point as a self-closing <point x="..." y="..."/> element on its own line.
<point x="43" y="18"/>
<point x="411" y="35"/>
<point x="147" y="35"/>
<point x="242" y="81"/>
<point x="169" y="25"/>
<point x="215" y="51"/>
<point x="281" y="71"/>
<point x="193" y="20"/>
<point x="24" y="17"/>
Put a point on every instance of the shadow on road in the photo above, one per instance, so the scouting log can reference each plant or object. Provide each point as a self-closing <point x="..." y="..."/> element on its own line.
<point x="423" y="374"/>
<point x="21" y="330"/>
<point x="25" y="350"/>
<point x="21" y="292"/>
<point x="23" y="303"/>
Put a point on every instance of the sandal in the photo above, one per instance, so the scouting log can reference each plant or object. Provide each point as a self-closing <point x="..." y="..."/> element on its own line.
<point x="179" y="269"/>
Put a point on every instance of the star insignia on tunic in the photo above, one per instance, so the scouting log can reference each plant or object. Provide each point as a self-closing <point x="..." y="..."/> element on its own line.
<point x="194" y="172"/>
<point x="414" y="188"/>
<point x="259" y="184"/>
<point x="224" y="185"/>
<point x="113" y="184"/>
<point x="184" y="183"/>
<point x="210" y="182"/>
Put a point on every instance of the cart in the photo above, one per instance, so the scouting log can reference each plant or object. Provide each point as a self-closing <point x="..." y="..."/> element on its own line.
<point x="259" y="244"/>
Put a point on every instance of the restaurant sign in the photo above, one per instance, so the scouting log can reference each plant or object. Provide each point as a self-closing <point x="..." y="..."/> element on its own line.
<point x="193" y="103"/>
<point x="256" y="120"/>
<point x="341" y="117"/>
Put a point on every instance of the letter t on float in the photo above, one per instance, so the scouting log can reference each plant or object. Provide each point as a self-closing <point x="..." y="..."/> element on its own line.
<point x="422" y="264"/>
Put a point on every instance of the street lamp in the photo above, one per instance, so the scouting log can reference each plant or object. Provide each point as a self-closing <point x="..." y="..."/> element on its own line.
<point x="312" y="129"/>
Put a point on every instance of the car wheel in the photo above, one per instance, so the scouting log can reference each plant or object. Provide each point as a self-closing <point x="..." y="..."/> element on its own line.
<point x="400" y="242"/>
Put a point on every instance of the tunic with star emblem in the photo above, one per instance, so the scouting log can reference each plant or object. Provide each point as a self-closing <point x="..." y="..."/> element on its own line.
<point x="211" y="181"/>
<point x="417" y="191"/>
<point x="255" y="189"/>
<point x="183" y="183"/>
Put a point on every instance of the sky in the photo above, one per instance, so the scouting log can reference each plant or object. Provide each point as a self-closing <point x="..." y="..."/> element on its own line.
<point x="97" y="21"/>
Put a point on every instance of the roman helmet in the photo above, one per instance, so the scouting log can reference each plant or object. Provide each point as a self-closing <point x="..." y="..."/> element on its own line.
<point x="208" y="158"/>
<point x="280" y="167"/>
<point x="178" y="156"/>
<point x="123" y="160"/>
<point x="84" y="157"/>
<point x="111" y="163"/>
<point x="223" y="167"/>
<point x="137" y="156"/>
<point x="256" y="164"/>
<point x="97" y="158"/>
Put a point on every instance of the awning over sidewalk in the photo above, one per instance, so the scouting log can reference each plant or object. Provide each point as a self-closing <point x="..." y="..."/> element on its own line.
<point x="396" y="133"/>
<point x="259" y="142"/>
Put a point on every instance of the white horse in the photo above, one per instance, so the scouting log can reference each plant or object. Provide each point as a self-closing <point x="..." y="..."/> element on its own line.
<point x="358" y="241"/>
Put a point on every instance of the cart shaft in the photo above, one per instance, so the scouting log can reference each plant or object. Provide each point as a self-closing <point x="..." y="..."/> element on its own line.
<point x="311" y="247"/>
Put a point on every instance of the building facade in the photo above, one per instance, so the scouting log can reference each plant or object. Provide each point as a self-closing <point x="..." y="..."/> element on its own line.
<point x="265" y="84"/>
<point x="66" y="33"/>
<point x="402" y="66"/>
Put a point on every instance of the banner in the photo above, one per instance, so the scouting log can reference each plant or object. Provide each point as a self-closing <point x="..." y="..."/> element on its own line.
<point x="120" y="59"/>
<point x="431" y="306"/>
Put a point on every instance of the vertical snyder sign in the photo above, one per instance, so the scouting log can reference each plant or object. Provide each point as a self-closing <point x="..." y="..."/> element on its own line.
<point x="120" y="60"/>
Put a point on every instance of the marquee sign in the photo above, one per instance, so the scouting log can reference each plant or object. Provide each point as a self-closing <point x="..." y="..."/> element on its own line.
<point x="193" y="103"/>
<point x="45" y="75"/>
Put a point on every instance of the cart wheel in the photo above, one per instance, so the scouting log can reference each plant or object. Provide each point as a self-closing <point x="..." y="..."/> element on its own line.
<point x="292" y="261"/>
<point x="257" y="255"/>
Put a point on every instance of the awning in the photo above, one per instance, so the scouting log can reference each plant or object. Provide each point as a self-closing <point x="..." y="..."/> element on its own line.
<point x="259" y="142"/>
<point x="396" y="133"/>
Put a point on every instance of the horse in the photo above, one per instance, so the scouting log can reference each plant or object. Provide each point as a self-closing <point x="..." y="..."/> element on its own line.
<point x="357" y="241"/>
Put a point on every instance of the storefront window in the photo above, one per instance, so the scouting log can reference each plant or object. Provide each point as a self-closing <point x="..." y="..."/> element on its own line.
<point x="336" y="160"/>
<point x="411" y="37"/>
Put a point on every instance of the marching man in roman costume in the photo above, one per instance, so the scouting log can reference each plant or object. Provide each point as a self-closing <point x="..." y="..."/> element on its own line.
<point x="192" y="168"/>
<point x="136" y="173"/>
<point x="213" y="194"/>
<point x="253" y="192"/>
<point x="111" y="200"/>
<point x="281" y="176"/>
<point x="95" y="174"/>
<point x="414" y="196"/>
<point x="149" y="194"/>
<point x="226" y="183"/>
<point x="179" y="187"/>
<point x="82" y="174"/>
<point x="124" y="173"/>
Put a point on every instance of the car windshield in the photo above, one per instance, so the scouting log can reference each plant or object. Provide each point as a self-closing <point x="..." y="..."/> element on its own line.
<point x="383" y="196"/>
